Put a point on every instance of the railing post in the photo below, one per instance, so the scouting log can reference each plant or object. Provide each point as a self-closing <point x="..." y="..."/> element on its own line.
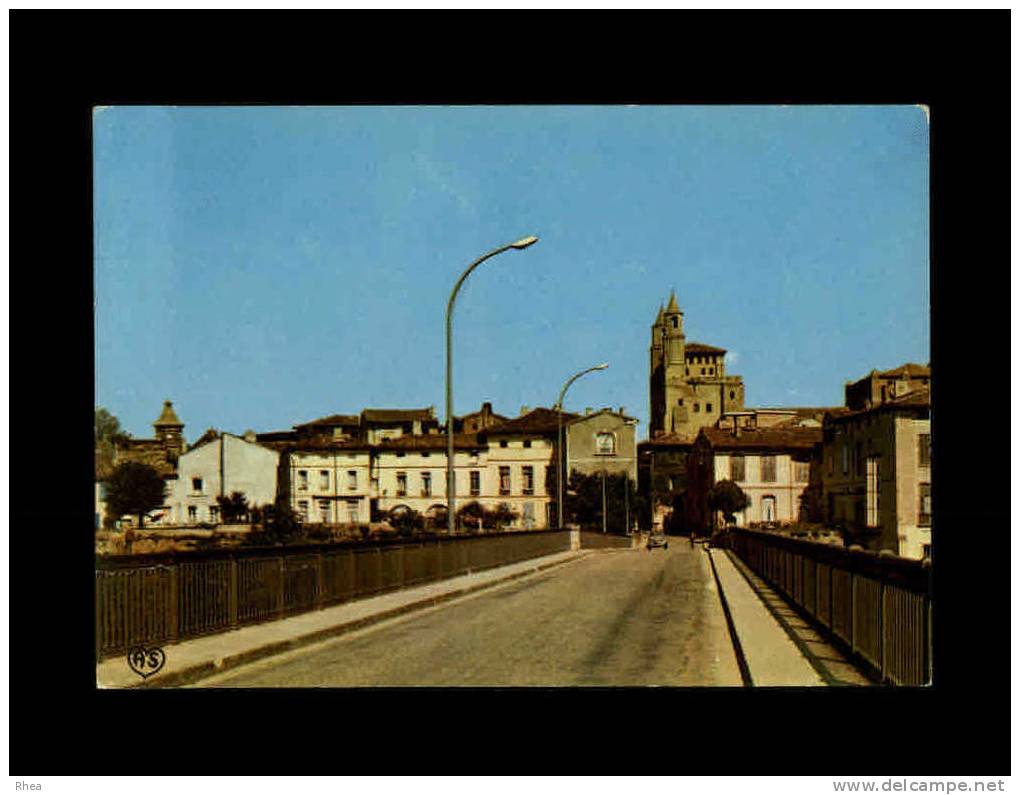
<point x="281" y="595"/>
<point x="232" y="592"/>
<point x="881" y="628"/>
<point x="173" y="618"/>
<point x="320" y="577"/>
<point x="853" y="614"/>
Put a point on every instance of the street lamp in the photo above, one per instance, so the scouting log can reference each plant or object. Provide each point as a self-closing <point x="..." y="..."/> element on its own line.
<point x="559" y="437"/>
<point x="450" y="485"/>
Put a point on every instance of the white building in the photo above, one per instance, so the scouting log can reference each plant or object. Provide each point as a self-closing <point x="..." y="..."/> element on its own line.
<point x="220" y="464"/>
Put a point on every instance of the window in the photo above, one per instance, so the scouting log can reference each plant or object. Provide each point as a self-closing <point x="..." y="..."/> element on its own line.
<point x="924" y="450"/>
<point x="801" y="471"/>
<point x="302" y="480"/>
<point x="401" y="484"/>
<point x="874" y="490"/>
<point x="605" y="443"/>
<point x="733" y="395"/>
<point x="702" y="370"/>
<point x="737" y="471"/>
<point x="687" y="371"/>
<point x="503" y="443"/>
<point x="426" y="455"/>
<point x="680" y="402"/>
<point x="352" y="479"/>
<point x="214" y="513"/>
<point x="675" y="319"/>
<point x="528" y="475"/>
<point x="768" y="469"/>
<point x="924" y="509"/>
<point x="352" y="511"/>
<point x="476" y="483"/>
<point x="926" y="551"/>
<point x="845" y="457"/>
<point x="426" y="484"/>
<point x="323" y="480"/>
<point x="527" y="442"/>
<point x="324" y="511"/>
<point x="504" y="480"/>
<point x="196" y="485"/>
<point x="401" y="455"/>
<point x="768" y="506"/>
<point x="697" y="407"/>
<point x="192" y="513"/>
<point x="708" y="407"/>
<point x="711" y="371"/>
<point x="302" y="508"/>
<point x="102" y="491"/>
<point x="859" y="458"/>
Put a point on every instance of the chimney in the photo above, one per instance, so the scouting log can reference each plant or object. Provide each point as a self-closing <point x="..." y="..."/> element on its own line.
<point x="622" y="411"/>
<point x="524" y="410"/>
<point x="587" y="410"/>
<point x="249" y="436"/>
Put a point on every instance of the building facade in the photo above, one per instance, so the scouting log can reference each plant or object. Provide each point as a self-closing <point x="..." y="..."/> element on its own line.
<point x="772" y="466"/>
<point x="218" y="465"/>
<point x="602" y="441"/>
<point x="876" y="473"/>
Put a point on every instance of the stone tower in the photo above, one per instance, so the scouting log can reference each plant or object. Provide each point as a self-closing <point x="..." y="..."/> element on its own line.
<point x="688" y="385"/>
<point x="169" y="430"/>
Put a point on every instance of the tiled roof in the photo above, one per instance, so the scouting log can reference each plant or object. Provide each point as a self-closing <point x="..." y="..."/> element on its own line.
<point x="700" y="347"/>
<point x="332" y="420"/>
<point x="396" y="415"/>
<point x="909" y="370"/>
<point x="430" y="441"/>
<point x="210" y="435"/>
<point x="672" y="308"/>
<point x="763" y="438"/>
<point x="540" y="420"/>
<point x="916" y="399"/>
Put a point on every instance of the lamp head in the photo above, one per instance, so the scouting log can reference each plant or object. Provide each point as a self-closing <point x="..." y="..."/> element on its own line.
<point x="524" y="242"/>
<point x="602" y="366"/>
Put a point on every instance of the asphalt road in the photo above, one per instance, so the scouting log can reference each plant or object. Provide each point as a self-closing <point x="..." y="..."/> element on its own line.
<point x="612" y="618"/>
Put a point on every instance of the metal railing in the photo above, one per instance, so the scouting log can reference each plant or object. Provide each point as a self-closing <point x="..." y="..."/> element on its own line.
<point x="877" y="607"/>
<point x="155" y="599"/>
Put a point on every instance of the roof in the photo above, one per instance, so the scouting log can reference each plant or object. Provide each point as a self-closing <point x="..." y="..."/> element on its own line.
<point x="672" y="308"/>
<point x="209" y="436"/>
<point x="909" y="370"/>
<point x="700" y="347"/>
<point x="168" y="416"/>
<point x="915" y="399"/>
<point x="432" y="441"/>
<point x="540" y="420"/>
<point x="396" y="415"/>
<point x="658" y="317"/>
<point x="800" y="411"/>
<point x="582" y="417"/>
<point x="762" y="438"/>
<point x="320" y="443"/>
<point x="333" y="420"/>
<point x="669" y="440"/>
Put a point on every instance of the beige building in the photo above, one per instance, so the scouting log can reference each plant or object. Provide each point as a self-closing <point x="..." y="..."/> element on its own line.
<point x="771" y="465"/>
<point x="329" y="482"/>
<point x="876" y="473"/>
<point x="601" y="441"/>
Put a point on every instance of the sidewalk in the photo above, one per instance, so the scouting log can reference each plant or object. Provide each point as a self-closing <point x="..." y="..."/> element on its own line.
<point x="192" y="660"/>
<point x="772" y="656"/>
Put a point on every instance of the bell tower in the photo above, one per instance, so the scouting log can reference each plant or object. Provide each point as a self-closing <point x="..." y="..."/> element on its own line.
<point x="169" y="430"/>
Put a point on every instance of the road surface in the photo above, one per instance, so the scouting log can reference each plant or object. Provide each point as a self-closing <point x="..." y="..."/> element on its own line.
<point x="611" y="618"/>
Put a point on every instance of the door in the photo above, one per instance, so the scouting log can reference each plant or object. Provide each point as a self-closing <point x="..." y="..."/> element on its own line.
<point x="768" y="509"/>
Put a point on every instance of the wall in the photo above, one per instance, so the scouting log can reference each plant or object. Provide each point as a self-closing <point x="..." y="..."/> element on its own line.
<point x="582" y="451"/>
<point x="784" y="488"/>
<point x="516" y="456"/>
<point x="343" y="504"/>
<point x="247" y="467"/>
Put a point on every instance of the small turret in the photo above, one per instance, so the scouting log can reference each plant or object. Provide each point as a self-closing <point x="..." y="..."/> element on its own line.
<point x="169" y="429"/>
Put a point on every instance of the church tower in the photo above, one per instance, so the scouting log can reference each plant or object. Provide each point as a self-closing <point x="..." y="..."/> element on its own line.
<point x="169" y="430"/>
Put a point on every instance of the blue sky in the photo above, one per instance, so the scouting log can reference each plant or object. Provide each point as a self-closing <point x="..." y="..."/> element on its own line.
<point x="262" y="267"/>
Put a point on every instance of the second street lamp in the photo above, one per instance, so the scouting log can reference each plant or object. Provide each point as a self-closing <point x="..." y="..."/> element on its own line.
<point x="450" y="484"/>
<point x="559" y="437"/>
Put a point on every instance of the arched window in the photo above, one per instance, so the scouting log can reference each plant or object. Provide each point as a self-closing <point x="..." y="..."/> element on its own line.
<point x="605" y="443"/>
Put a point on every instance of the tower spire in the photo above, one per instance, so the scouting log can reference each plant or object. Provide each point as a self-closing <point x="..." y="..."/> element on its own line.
<point x="673" y="308"/>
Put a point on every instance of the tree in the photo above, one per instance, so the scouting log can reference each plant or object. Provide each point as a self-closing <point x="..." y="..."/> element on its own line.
<point x="727" y="498"/>
<point x="135" y="489"/>
<point x="470" y="514"/>
<point x="109" y="435"/>
<point x="406" y="520"/>
<point x="503" y="515"/>
<point x="233" y="508"/>
<point x="583" y="501"/>
<point x="812" y="508"/>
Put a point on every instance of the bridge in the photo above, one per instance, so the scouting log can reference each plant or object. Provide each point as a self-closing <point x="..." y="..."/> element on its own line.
<point x="548" y="608"/>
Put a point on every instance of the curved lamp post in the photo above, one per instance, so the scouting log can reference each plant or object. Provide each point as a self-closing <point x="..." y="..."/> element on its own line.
<point x="559" y="437"/>
<point x="450" y="485"/>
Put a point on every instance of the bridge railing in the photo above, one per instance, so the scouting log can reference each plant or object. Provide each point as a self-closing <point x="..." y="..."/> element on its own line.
<point x="156" y="599"/>
<point x="878" y="607"/>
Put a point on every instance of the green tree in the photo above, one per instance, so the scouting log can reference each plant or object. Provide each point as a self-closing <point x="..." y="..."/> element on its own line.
<point x="233" y="508"/>
<point x="134" y="489"/>
<point x="406" y="521"/>
<point x="503" y="515"/>
<point x="727" y="498"/>
<point x="109" y="435"/>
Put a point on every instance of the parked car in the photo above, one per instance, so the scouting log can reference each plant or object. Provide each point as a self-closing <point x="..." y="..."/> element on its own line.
<point x="657" y="540"/>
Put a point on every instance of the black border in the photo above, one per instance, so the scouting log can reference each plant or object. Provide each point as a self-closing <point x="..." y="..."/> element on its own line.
<point x="63" y="64"/>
